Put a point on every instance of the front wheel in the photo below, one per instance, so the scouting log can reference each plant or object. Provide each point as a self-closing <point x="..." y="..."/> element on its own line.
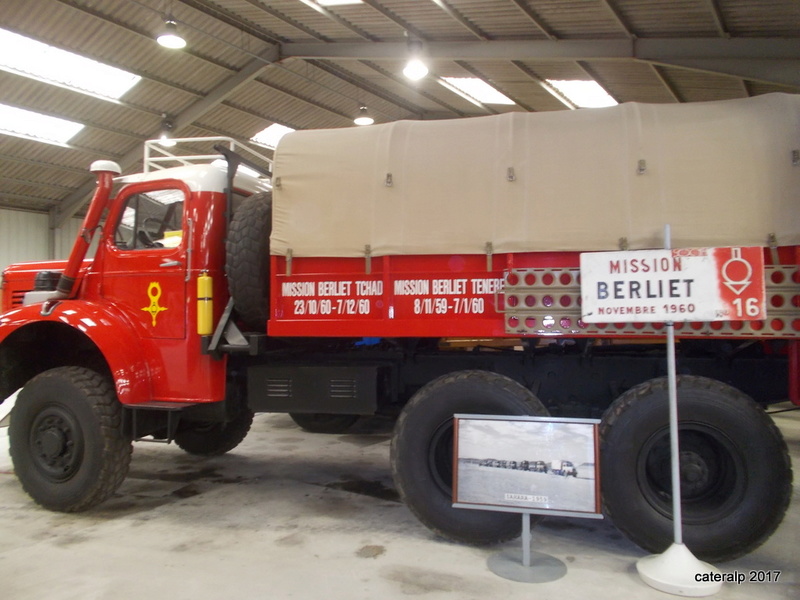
<point x="736" y="477"/>
<point x="66" y="439"/>
<point x="422" y="452"/>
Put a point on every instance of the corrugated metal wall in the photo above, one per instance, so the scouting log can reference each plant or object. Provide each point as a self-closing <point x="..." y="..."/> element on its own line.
<point x="25" y="236"/>
<point x="65" y="238"/>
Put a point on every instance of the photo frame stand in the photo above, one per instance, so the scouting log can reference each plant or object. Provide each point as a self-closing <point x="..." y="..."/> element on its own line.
<point x="524" y="565"/>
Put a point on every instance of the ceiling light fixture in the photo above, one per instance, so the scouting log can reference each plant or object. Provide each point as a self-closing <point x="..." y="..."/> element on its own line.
<point x="415" y="68"/>
<point x="169" y="36"/>
<point x="165" y="139"/>
<point x="363" y="117"/>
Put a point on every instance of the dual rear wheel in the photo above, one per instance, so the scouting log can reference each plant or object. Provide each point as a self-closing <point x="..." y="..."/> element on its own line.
<point x="736" y="478"/>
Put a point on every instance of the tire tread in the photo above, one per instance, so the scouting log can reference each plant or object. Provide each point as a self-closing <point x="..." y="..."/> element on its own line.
<point x="117" y="448"/>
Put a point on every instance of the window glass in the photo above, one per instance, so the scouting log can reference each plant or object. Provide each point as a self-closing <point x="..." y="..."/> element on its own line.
<point x="151" y="220"/>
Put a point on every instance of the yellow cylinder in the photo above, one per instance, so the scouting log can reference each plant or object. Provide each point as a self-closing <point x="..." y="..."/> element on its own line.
<point x="205" y="304"/>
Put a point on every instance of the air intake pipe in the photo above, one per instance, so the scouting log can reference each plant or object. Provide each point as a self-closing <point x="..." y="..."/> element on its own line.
<point x="105" y="170"/>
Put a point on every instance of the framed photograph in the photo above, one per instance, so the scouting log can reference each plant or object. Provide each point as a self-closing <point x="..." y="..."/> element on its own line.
<point x="538" y="465"/>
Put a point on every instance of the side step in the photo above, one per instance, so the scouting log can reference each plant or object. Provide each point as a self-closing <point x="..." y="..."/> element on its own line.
<point x="139" y="418"/>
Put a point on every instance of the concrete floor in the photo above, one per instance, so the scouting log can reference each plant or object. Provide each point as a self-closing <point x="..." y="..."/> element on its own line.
<point x="295" y="515"/>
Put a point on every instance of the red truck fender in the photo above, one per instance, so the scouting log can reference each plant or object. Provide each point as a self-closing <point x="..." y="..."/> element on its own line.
<point x="107" y="330"/>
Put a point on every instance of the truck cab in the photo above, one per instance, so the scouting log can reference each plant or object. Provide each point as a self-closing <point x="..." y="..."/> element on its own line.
<point x="132" y="310"/>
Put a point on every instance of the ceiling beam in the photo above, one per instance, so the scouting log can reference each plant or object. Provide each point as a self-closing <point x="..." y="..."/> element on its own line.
<point x="543" y="83"/>
<point x="640" y="48"/>
<point x="658" y="72"/>
<point x="461" y="19"/>
<point x="333" y="17"/>
<point x="394" y="18"/>
<point x="231" y="18"/>
<point x="779" y="71"/>
<point x="774" y="60"/>
<point x="719" y="20"/>
<point x="617" y="16"/>
<point x="534" y="18"/>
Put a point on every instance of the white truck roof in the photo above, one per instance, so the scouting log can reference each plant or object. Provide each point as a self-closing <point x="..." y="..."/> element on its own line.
<point x="201" y="178"/>
<point x="720" y="173"/>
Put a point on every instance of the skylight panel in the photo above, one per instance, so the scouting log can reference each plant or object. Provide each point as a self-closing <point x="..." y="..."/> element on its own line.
<point x="35" y="126"/>
<point x="337" y="2"/>
<point x="270" y="136"/>
<point x="479" y="90"/>
<point x="583" y="94"/>
<point x="30" y="58"/>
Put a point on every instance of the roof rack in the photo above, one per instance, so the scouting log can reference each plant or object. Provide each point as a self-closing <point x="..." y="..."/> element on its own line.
<point x="157" y="156"/>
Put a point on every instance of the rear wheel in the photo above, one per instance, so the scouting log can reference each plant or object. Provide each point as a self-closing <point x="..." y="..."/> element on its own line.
<point x="214" y="438"/>
<point x="324" y="423"/>
<point x="422" y="451"/>
<point x="734" y="465"/>
<point x="66" y="439"/>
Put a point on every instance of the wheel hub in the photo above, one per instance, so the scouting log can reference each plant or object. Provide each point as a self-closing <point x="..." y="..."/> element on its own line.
<point x="710" y="474"/>
<point x="695" y="474"/>
<point x="54" y="444"/>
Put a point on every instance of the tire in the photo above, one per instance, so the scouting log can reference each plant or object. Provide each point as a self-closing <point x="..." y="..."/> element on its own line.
<point x="214" y="439"/>
<point x="66" y="439"/>
<point x="247" y="260"/>
<point x="736" y="477"/>
<point x="324" y="423"/>
<point x="422" y="452"/>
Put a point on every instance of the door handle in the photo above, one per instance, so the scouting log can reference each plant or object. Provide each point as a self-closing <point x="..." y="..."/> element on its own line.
<point x="171" y="263"/>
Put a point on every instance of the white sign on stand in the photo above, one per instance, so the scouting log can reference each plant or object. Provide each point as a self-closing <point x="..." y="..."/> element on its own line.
<point x="684" y="284"/>
<point x="688" y="284"/>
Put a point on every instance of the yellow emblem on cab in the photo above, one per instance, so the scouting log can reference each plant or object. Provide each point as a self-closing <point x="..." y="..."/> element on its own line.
<point x="154" y="293"/>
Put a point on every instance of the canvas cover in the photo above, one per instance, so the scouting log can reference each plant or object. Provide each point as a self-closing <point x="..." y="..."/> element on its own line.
<point x="719" y="173"/>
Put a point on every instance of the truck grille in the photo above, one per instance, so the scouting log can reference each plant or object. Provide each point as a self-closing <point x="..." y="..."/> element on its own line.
<point x="17" y="297"/>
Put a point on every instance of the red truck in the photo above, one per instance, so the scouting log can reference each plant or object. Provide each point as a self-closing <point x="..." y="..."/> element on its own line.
<point x="417" y="270"/>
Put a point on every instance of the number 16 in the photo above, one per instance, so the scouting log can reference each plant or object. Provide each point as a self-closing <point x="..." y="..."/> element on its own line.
<point x="751" y="307"/>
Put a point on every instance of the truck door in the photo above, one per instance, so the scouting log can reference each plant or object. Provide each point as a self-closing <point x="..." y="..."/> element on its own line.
<point x="145" y="263"/>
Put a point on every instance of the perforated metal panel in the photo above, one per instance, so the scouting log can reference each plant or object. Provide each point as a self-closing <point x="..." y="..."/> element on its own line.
<point x="546" y="302"/>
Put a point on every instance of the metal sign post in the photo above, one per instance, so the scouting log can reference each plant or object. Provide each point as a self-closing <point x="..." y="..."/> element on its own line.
<point x="674" y="570"/>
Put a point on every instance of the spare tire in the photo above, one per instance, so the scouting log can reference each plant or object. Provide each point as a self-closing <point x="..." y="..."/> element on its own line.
<point x="247" y="260"/>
